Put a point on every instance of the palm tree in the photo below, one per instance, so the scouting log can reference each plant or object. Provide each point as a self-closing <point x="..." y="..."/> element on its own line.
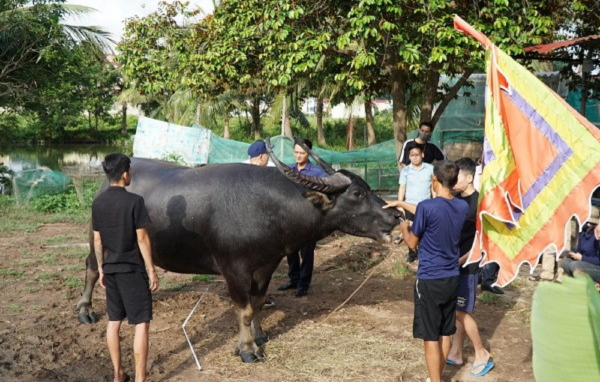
<point x="31" y="33"/>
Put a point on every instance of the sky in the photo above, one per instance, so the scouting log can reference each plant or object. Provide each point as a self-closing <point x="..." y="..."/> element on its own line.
<point x="111" y="14"/>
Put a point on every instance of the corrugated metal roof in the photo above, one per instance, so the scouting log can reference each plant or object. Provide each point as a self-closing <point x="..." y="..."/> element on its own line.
<point x="547" y="48"/>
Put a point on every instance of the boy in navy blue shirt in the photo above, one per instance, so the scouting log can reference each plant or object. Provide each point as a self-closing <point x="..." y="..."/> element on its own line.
<point x="436" y="230"/>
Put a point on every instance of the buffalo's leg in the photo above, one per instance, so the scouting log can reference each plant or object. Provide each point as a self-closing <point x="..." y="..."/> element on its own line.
<point x="260" y="284"/>
<point x="239" y="289"/>
<point x="84" y="306"/>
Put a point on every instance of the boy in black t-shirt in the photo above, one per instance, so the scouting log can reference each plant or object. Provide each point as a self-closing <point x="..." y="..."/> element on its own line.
<point x="122" y="248"/>
<point x="468" y="278"/>
<point x="436" y="229"/>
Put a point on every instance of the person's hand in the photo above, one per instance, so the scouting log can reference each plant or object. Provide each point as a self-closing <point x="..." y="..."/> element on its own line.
<point x="391" y="204"/>
<point x="101" y="278"/>
<point x="153" y="280"/>
<point x="406" y="224"/>
<point x="575" y="256"/>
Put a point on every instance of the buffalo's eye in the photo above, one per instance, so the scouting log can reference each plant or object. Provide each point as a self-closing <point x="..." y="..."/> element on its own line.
<point x="359" y="194"/>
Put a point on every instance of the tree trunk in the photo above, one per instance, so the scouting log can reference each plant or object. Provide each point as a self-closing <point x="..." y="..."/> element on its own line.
<point x="256" y="117"/>
<point x="89" y="119"/>
<point x="319" y="113"/>
<point x="287" y="124"/>
<point x="350" y="132"/>
<point x="226" y="125"/>
<point x="450" y="95"/>
<point x="433" y="79"/>
<point x="398" y="93"/>
<point x="197" y="115"/>
<point x="371" y="140"/>
<point x="124" y="119"/>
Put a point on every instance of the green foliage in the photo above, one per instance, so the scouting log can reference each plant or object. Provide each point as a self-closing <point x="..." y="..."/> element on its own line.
<point x="203" y="278"/>
<point x="174" y="157"/>
<point x="5" y="179"/>
<point x="489" y="298"/>
<point x="74" y="282"/>
<point x="401" y="270"/>
<point x="25" y="128"/>
<point x="11" y="272"/>
<point x="67" y="202"/>
<point x="43" y="63"/>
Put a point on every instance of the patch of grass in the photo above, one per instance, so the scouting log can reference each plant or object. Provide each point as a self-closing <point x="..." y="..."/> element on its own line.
<point x="33" y="289"/>
<point x="176" y="287"/>
<point x="73" y="282"/>
<point x="24" y="263"/>
<point x="11" y="272"/>
<point x="11" y="225"/>
<point x="74" y="267"/>
<point x="14" y="308"/>
<point x="279" y="276"/>
<point x="203" y="278"/>
<point x="76" y="253"/>
<point x="50" y="259"/>
<point x="45" y="278"/>
<point x="489" y="298"/>
<point x="401" y="270"/>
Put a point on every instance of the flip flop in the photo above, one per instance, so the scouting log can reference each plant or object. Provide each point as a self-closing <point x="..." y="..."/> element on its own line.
<point x="489" y="365"/>
<point x="452" y="363"/>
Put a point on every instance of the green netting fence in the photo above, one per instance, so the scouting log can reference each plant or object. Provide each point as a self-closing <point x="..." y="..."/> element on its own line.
<point x="29" y="184"/>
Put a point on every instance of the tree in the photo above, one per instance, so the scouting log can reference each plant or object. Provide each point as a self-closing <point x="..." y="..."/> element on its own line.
<point x="78" y="82"/>
<point x="406" y="44"/>
<point x="31" y="35"/>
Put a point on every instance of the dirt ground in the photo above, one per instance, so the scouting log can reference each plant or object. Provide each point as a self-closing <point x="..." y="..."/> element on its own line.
<point x="367" y="339"/>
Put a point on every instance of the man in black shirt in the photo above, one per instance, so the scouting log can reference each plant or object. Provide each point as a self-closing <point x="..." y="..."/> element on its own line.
<point x="123" y="253"/>
<point x="431" y="152"/>
<point x="468" y="278"/>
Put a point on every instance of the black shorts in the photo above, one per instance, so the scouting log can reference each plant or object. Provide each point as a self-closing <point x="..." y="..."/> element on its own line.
<point x="128" y="295"/>
<point x="435" y="308"/>
<point x="467" y="291"/>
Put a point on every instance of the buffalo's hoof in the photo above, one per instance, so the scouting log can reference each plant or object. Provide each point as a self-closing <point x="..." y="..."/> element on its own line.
<point x="248" y="357"/>
<point x="260" y="341"/>
<point x="88" y="319"/>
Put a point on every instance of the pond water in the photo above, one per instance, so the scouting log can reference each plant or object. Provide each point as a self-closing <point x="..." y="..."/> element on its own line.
<point x="81" y="159"/>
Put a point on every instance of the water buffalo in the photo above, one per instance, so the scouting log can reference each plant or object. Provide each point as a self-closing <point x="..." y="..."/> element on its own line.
<point x="240" y="220"/>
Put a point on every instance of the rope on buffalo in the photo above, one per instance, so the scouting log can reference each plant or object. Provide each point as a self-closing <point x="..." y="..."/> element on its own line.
<point x="185" y="333"/>
<point x="358" y="288"/>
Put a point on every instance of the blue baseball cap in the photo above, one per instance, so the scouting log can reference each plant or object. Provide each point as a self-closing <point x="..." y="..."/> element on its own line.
<point x="257" y="148"/>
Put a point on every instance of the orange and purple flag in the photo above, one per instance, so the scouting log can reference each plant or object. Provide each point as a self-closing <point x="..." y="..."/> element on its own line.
<point x="542" y="164"/>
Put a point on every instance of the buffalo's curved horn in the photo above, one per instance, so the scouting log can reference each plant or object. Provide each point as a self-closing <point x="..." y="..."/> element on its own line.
<point x="332" y="183"/>
<point x="328" y="169"/>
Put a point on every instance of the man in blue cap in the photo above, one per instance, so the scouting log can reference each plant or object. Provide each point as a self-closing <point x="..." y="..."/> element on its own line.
<point x="258" y="154"/>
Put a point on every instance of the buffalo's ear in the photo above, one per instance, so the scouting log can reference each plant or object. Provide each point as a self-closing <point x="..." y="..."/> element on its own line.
<point x="319" y="199"/>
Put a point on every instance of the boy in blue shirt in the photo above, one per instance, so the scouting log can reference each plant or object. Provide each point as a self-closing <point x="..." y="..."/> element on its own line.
<point x="415" y="186"/>
<point x="436" y="230"/>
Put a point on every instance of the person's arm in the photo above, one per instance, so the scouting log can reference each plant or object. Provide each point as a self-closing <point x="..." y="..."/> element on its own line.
<point x="404" y="156"/>
<point x="402" y="204"/>
<point x="409" y="238"/>
<point x="439" y="155"/>
<point x="401" y="192"/>
<point x="463" y="259"/>
<point x="594" y="259"/>
<point x="99" y="251"/>
<point x="144" y="244"/>
<point x="575" y="255"/>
